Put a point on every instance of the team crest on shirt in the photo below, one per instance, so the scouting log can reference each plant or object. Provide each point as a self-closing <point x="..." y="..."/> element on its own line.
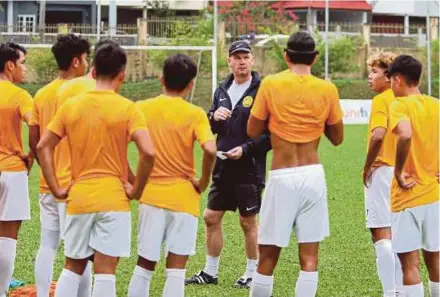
<point x="247" y="101"/>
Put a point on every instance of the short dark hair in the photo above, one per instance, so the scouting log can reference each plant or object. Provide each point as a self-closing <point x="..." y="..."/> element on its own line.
<point x="301" y="48"/>
<point x="407" y="66"/>
<point x="10" y="52"/>
<point x="67" y="47"/>
<point x="110" y="59"/>
<point x="100" y="43"/>
<point x="178" y="71"/>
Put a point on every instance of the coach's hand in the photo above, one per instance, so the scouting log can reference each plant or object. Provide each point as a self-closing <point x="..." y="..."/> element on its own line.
<point x="222" y="114"/>
<point x="234" y="154"/>
<point x="405" y="181"/>
<point x="130" y="191"/>
<point x="200" y="184"/>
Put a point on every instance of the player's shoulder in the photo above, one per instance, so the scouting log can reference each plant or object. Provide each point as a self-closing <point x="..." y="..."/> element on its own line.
<point x="431" y="99"/>
<point x="47" y="90"/>
<point x="271" y="78"/>
<point x="322" y="83"/>
<point x="19" y="92"/>
<point x="386" y="95"/>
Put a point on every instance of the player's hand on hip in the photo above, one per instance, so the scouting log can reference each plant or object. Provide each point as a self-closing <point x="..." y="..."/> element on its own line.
<point x="405" y="181"/>
<point x="222" y="114"/>
<point x="130" y="191"/>
<point x="234" y="154"/>
<point x="28" y="160"/>
<point x="200" y="184"/>
<point x="367" y="175"/>
<point x="62" y="193"/>
<point x="438" y="177"/>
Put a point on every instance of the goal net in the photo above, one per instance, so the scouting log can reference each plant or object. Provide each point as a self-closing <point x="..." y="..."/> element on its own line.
<point x="143" y="71"/>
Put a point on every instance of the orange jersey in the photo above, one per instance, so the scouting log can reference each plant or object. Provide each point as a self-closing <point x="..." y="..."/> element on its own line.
<point x="422" y="163"/>
<point x="69" y="89"/>
<point x="380" y="117"/>
<point x="98" y="126"/>
<point x="174" y="126"/>
<point x="45" y="107"/>
<point x="14" y="104"/>
<point x="297" y="107"/>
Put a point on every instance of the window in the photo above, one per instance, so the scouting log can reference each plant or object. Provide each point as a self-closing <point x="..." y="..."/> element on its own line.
<point x="26" y="23"/>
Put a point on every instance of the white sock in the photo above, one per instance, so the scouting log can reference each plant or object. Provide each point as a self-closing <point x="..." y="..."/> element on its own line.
<point x="44" y="261"/>
<point x="8" y="250"/>
<point x="385" y="261"/>
<point x="105" y="285"/>
<point x="414" y="290"/>
<point x="211" y="266"/>
<point x="251" y="267"/>
<point x="434" y="289"/>
<point x="262" y="285"/>
<point x="67" y="285"/>
<point x="175" y="283"/>
<point x="399" y="276"/>
<point x="140" y="282"/>
<point x="307" y="284"/>
<point x="85" y="283"/>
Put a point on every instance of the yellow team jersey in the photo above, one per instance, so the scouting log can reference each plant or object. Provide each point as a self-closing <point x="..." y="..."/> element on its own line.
<point x="69" y="89"/>
<point x="98" y="126"/>
<point x="45" y="107"/>
<point x="174" y="125"/>
<point x="297" y="107"/>
<point x="422" y="163"/>
<point x="380" y="117"/>
<point x="14" y="104"/>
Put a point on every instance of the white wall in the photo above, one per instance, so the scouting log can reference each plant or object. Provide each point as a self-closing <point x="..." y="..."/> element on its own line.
<point x="174" y="4"/>
<point x="406" y="7"/>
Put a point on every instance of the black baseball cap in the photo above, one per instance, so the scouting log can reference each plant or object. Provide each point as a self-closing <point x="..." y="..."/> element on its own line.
<point x="239" y="46"/>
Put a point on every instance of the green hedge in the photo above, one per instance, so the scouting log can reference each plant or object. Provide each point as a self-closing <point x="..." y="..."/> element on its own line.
<point x="348" y="89"/>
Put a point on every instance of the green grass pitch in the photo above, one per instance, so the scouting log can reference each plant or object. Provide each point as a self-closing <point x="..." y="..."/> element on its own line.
<point x="347" y="258"/>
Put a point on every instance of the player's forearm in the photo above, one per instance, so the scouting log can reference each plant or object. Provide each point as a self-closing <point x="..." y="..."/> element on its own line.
<point x="34" y="138"/>
<point x="255" y="127"/>
<point x="207" y="165"/>
<point x="403" y="145"/>
<point x="261" y="144"/>
<point x="143" y="172"/>
<point x="131" y="176"/>
<point x="373" y="152"/>
<point x="46" y="156"/>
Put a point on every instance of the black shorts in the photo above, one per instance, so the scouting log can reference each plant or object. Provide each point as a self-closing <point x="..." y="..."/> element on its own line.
<point x="227" y="196"/>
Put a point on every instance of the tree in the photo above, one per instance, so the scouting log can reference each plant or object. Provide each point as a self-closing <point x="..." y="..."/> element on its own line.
<point x="160" y="8"/>
<point x="257" y="16"/>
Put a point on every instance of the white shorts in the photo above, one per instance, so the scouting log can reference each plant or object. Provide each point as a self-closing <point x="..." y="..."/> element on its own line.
<point x="157" y="226"/>
<point x="106" y="232"/>
<point x="52" y="213"/>
<point x="378" y="197"/>
<point x="14" y="196"/>
<point x="416" y="228"/>
<point x="295" y="198"/>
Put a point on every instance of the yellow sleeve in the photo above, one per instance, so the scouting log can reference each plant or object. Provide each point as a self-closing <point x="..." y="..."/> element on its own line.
<point x="25" y="103"/>
<point x="136" y="120"/>
<point x="35" y="117"/>
<point x="398" y="113"/>
<point x="260" y="109"/>
<point x="379" y="114"/>
<point x="335" y="113"/>
<point x="57" y="125"/>
<point x="202" y="129"/>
